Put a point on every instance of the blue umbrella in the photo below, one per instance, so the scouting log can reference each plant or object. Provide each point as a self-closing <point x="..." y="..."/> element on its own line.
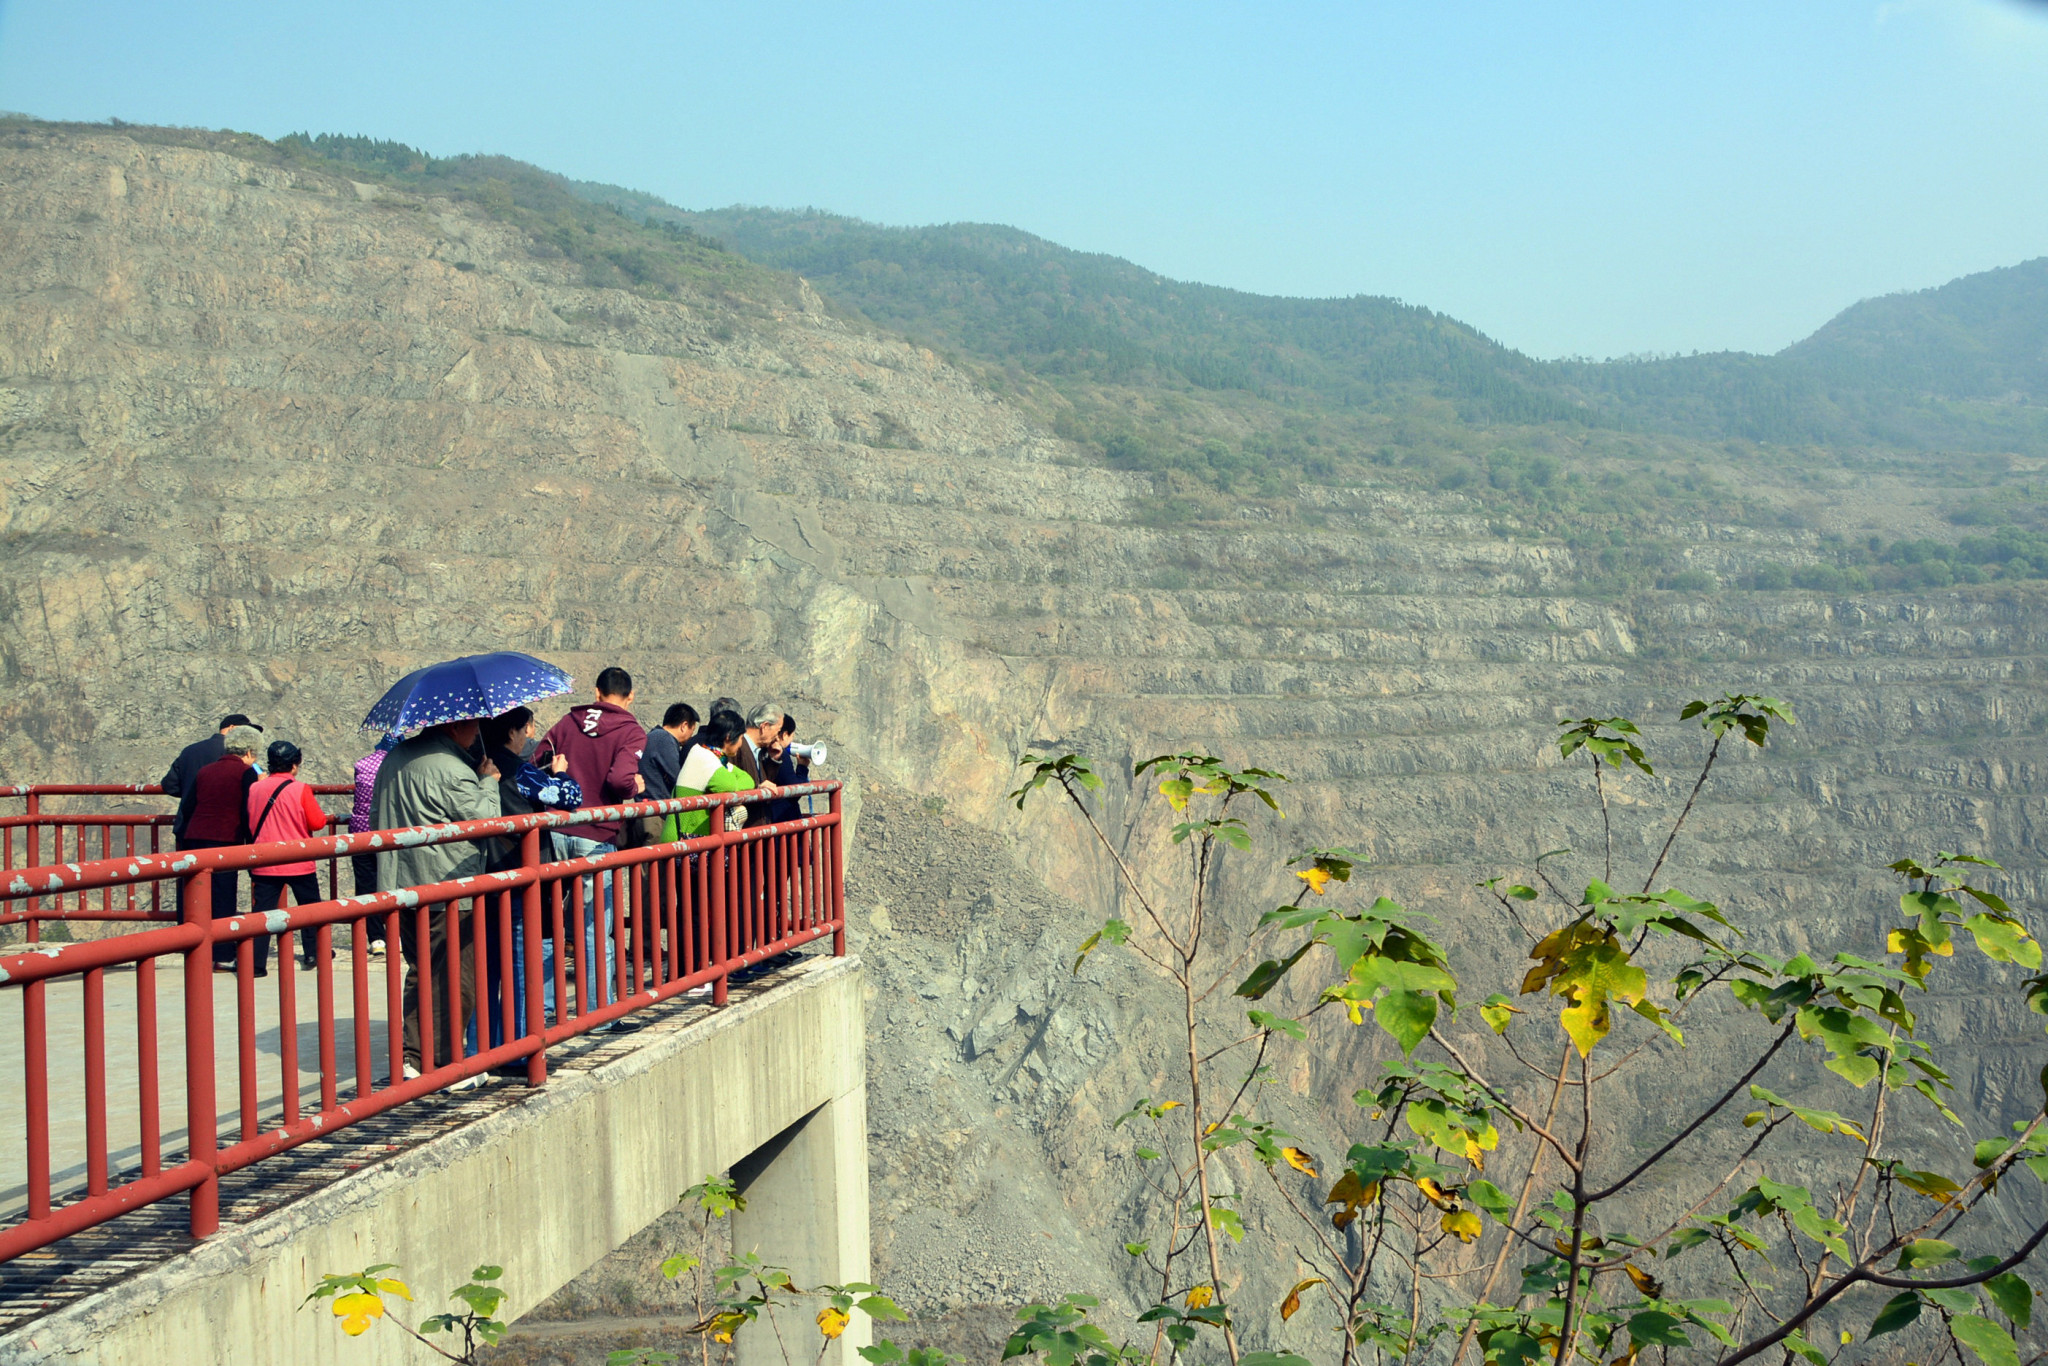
<point x="473" y="688"/>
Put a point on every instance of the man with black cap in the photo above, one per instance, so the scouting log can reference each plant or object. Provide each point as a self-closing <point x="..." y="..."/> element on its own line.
<point x="179" y="781"/>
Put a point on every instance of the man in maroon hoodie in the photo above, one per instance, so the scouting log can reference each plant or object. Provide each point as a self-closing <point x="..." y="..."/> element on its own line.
<point x="602" y="743"/>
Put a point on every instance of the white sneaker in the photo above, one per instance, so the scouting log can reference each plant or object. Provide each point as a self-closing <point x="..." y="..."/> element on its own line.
<point x="376" y="948"/>
<point x="411" y="1073"/>
<point x="469" y="1083"/>
<point x="700" y="992"/>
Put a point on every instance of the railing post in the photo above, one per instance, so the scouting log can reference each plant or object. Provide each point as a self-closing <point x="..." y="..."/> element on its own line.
<point x="200" y="1102"/>
<point x="837" y="874"/>
<point x="33" y="807"/>
<point x="35" y="1053"/>
<point x="715" y="857"/>
<point x="530" y="935"/>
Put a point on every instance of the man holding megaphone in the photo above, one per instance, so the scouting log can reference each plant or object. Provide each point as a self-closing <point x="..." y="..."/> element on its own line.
<point x="785" y="762"/>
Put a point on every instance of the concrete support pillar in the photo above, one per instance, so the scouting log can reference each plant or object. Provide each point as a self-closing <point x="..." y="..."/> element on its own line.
<point x="807" y="1210"/>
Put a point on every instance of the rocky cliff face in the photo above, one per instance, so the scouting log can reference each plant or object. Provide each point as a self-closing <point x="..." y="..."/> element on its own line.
<point x="268" y="440"/>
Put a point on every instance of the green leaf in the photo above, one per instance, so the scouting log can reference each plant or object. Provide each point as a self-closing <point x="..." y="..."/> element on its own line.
<point x="2004" y="940"/>
<point x="1899" y="1311"/>
<point x="1685" y="1238"/>
<point x="1925" y="1252"/>
<point x="1655" y="1328"/>
<point x="1266" y="1019"/>
<point x="2013" y="1296"/>
<point x="1506" y="1347"/>
<point x="1406" y="1016"/>
<point x="1114" y="931"/>
<point x="1497" y="1011"/>
<point x="1655" y="1014"/>
<point x="1796" y="1341"/>
<point x="1490" y="1198"/>
<point x="1992" y="1345"/>
<point x="1267" y="975"/>
<point x="882" y="1307"/>
<point x="1138" y="1249"/>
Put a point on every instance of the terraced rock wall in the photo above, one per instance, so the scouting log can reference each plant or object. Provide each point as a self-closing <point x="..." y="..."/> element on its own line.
<point x="268" y="441"/>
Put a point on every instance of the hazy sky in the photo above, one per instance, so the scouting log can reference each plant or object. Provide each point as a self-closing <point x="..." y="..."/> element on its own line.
<point x="1571" y="178"/>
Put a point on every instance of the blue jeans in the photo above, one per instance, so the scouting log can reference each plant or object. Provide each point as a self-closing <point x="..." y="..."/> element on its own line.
<point x="604" y="991"/>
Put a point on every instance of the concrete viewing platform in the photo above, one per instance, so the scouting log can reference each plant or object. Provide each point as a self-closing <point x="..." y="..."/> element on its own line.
<point x="543" y="1182"/>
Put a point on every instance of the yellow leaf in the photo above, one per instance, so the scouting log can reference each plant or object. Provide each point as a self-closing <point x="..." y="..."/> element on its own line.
<point x="1299" y="1160"/>
<point x="1291" y="1306"/>
<point x="1200" y="1297"/>
<point x="1551" y="952"/>
<point x="1933" y="1185"/>
<point x="355" y="1311"/>
<point x="1626" y="1358"/>
<point x="1461" y="1222"/>
<point x="394" y="1287"/>
<point x="721" y="1327"/>
<point x="1166" y="1105"/>
<point x="1316" y="878"/>
<point x="1847" y="1337"/>
<point x="1435" y="1193"/>
<point x="1353" y="1195"/>
<point x="831" y="1322"/>
<point x="1644" y="1281"/>
<point x="1590" y="975"/>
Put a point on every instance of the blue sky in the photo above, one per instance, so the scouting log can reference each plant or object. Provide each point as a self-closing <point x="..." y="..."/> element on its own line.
<point x="1592" y="179"/>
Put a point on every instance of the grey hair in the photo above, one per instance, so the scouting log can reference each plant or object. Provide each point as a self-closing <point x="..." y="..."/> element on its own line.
<point x="765" y="713"/>
<point x="242" y="740"/>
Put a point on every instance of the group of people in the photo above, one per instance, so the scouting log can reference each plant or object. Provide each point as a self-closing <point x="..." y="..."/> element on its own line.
<point x="232" y="789"/>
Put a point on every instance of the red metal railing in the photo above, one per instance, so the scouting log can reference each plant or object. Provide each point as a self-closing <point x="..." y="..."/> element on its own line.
<point x="661" y="920"/>
<point x="117" y="835"/>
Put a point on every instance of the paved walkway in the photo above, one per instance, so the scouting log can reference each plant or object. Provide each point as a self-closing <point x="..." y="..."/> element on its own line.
<point x="65" y="1007"/>
<point x="86" y="1262"/>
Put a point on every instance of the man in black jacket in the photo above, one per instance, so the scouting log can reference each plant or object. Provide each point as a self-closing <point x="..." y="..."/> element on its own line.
<point x="178" y="781"/>
<point x="662" y="760"/>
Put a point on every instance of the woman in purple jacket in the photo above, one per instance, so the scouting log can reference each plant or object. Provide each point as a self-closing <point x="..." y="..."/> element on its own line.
<point x="365" y="865"/>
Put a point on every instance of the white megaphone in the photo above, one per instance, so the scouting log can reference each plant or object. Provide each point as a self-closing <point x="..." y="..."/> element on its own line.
<point x="809" y="754"/>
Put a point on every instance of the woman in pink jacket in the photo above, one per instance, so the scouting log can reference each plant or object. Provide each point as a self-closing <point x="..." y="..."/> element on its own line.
<point x="283" y="808"/>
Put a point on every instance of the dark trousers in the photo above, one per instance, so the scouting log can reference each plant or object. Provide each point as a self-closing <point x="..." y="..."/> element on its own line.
<point x="446" y="1049"/>
<point x="365" y="866"/>
<point x="266" y="894"/>
<point x="224" y="894"/>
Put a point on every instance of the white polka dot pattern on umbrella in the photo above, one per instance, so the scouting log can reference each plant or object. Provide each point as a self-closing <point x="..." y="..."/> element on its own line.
<point x="476" y="687"/>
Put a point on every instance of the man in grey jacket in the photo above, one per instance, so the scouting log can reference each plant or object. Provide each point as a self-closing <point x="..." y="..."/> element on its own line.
<point x="432" y="779"/>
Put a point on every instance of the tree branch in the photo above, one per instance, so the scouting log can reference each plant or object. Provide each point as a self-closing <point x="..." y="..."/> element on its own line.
<point x="1665" y="853"/>
<point x="1654" y="1158"/>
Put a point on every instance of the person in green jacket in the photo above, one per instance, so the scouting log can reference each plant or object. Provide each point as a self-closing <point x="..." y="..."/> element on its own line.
<point x="432" y="779"/>
<point x="708" y="767"/>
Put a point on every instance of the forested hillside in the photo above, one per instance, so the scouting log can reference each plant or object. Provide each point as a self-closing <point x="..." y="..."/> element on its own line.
<point x="1233" y="401"/>
<point x="1961" y="367"/>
